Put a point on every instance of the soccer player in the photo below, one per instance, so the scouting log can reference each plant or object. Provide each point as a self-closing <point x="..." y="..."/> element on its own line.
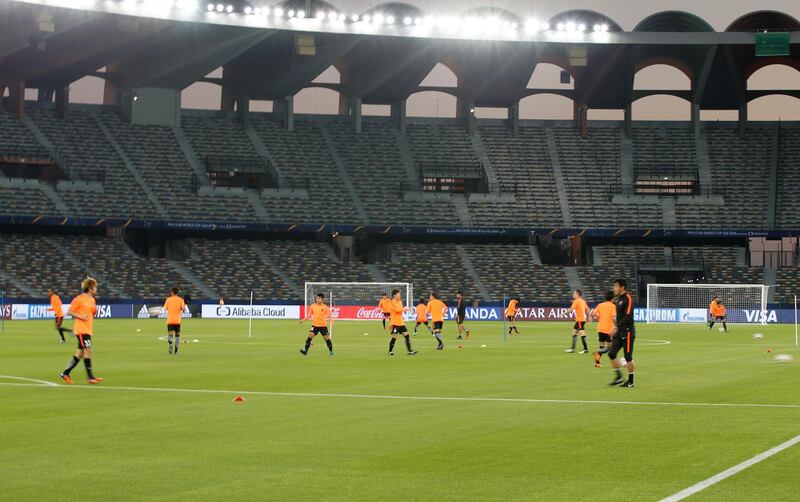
<point x="58" y="309"/>
<point x="511" y="315"/>
<point x="604" y="313"/>
<point x="174" y="306"/>
<point x="436" y="308"/>
<point x="461" y="315"/>
<point x="422" y="316"/>
<point x="718" y="315"/>
<point x="581" y="309"/>
<point x="386" y="306"/>
<point x="319" y="313"/>
<point x="83" y="309"/>
<point x="711" y="308"/>
<point x="623" y="335"/>
<point x="398" y="325"/>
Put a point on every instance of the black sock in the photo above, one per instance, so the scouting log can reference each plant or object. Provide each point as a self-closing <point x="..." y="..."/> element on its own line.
<point x="177" y="342"/>
<point x="711" y="325"/>
<point x="509" y="330"/>
<point x="330" y="344"/>
<point x="88" y="362"/>
<point x="61" y="332"/>
<point x="408" y="343"/>
<point x="384" y="323"/>
<point x="308" y="344"/>
<point x="630" y="377"/>
<point x="583" y="341"/>
<point x="724" y="325"/>
<point x="516" y="329"/>
<point x="619" y="373"/>
<point x="391" y="344"/>
<point x="574" y="341"/>
<point x="72" y="364"/>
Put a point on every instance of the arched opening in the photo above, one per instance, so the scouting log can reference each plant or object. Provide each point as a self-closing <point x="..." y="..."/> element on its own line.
<point x="774" y="76"/>
<point x="261" y="106"/>
<point x="719" y="115"/>
<point x="431" y="104"/>
<point x="546" y="107"/>
<point x="376" y="110"/>
<point x="331" y="75"/>
<point x="774" y="107"/>
<point x="317" y="101"/>
<point x="661" y="107"/>
<point x="660" y="76"/>
<point x="202" y="96"/>
<point x="485" y="112"/>
<point x="548" y="76"/>
<point x="440" y="76"/>
<point x="87" y="90"/>
<point x="596" y="114"/>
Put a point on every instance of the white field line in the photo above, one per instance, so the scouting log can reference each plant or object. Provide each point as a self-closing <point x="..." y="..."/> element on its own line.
<point x="412" y="398"/>
<point x="702" y="485"/>
<point x="23" y="379"/>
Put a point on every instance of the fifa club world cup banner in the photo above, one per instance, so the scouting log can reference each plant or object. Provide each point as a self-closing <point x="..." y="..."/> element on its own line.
<point x="36" y="311"/>
<point x="250" y="311"/>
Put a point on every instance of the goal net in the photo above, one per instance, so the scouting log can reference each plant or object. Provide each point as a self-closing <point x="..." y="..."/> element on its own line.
<point x="671" y="303"/>
<point x="356" y="300"/>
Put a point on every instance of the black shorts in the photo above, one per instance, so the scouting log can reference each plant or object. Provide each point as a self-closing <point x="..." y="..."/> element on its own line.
<point x="604" y="337"/>
<point x="84" y="341"/>
<point x="460" y="318"/>
<point x="719" y="318"/>
<point x="59" y="320"/>
<point x="624" y="342"/>
<point x="174" y="328"/>
<point x="511" y="317"/>
<point x="319" y="330"/>
<point x="579" y="325"/>
<point x="399" y="330"/>
<point x="438" y="325"/>
<point x="422" y="322"/>
<point x="386" y="315"/>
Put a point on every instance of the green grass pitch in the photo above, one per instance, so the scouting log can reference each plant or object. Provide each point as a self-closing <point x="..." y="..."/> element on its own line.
<point x="313" y="427"/>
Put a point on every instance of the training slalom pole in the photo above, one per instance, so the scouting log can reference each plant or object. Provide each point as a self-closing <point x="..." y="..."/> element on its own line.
<point x="3" y="311"/>
<point x="795" y="321"/>
<point x="330" y="298"/>
<point x="503" y="313"/>
<point x="250" y="316"/>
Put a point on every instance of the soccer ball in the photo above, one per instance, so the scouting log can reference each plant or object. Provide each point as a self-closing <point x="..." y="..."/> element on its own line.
<point x="758" y="336"/>
<point x="721" y="330"/>
<point x="784" y="358"/>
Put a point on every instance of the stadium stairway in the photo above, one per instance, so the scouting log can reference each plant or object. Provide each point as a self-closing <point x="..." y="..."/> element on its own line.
<point x="18" y="285"/>
<point x="407" y="159"/>
<point x="345" y="178"/>
<point x="626" y="161"/>
<point x="483" y="158"/>
<point x="558" y="174"/>
<point x="703" y="162"/>
<point x="469" y="268"/>
<point x="297" y="289"/>
<point x="263" y="151"/>
<point x="573" y="279"/>
<point x="57" y="206"/>
<point x="196" y="282"/>
<point x="112" y="141"/>
<point x="103" y="279"/>
<point x="191" y="156"/>
<point x="376" y="273"/>
<point x="462" y="209"/>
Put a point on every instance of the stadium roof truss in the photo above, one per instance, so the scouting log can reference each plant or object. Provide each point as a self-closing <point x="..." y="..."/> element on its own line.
<point x="45" y="45"/>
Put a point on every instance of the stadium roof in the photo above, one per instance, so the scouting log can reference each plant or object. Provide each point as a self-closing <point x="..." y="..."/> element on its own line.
<point x="493" y="52"/>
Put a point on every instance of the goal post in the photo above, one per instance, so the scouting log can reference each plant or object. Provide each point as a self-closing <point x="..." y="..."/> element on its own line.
<point x="688" y="303"/>
<point x="356" y="301"/>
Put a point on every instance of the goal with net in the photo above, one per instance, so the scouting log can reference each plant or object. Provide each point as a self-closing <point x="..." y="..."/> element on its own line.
<point x="356" y="300"/>
<point x="670" y="303"/>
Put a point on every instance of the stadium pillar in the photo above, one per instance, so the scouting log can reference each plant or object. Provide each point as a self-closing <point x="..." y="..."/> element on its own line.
<point x="628" y="118"/>
<point x="16" y="97"/>
<point x="62" y="102"/>
<point x="399" y="115"/>
<point x="242" y="108"/>
<point x="513" y="118"/>
<point x="467" y="115"/>
<point x="742" y="117"/>
<point x="582" y="118"/>
<point x="283" y="110"/>
<point x="696" y="118"/>
<point x="354" y="110"/>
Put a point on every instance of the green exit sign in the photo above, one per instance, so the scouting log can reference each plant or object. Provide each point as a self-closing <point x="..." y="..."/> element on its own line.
<point x="772" y="44"/>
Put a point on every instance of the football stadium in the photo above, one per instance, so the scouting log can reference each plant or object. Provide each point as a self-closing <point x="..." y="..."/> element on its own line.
<point x="436" y="250"/>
